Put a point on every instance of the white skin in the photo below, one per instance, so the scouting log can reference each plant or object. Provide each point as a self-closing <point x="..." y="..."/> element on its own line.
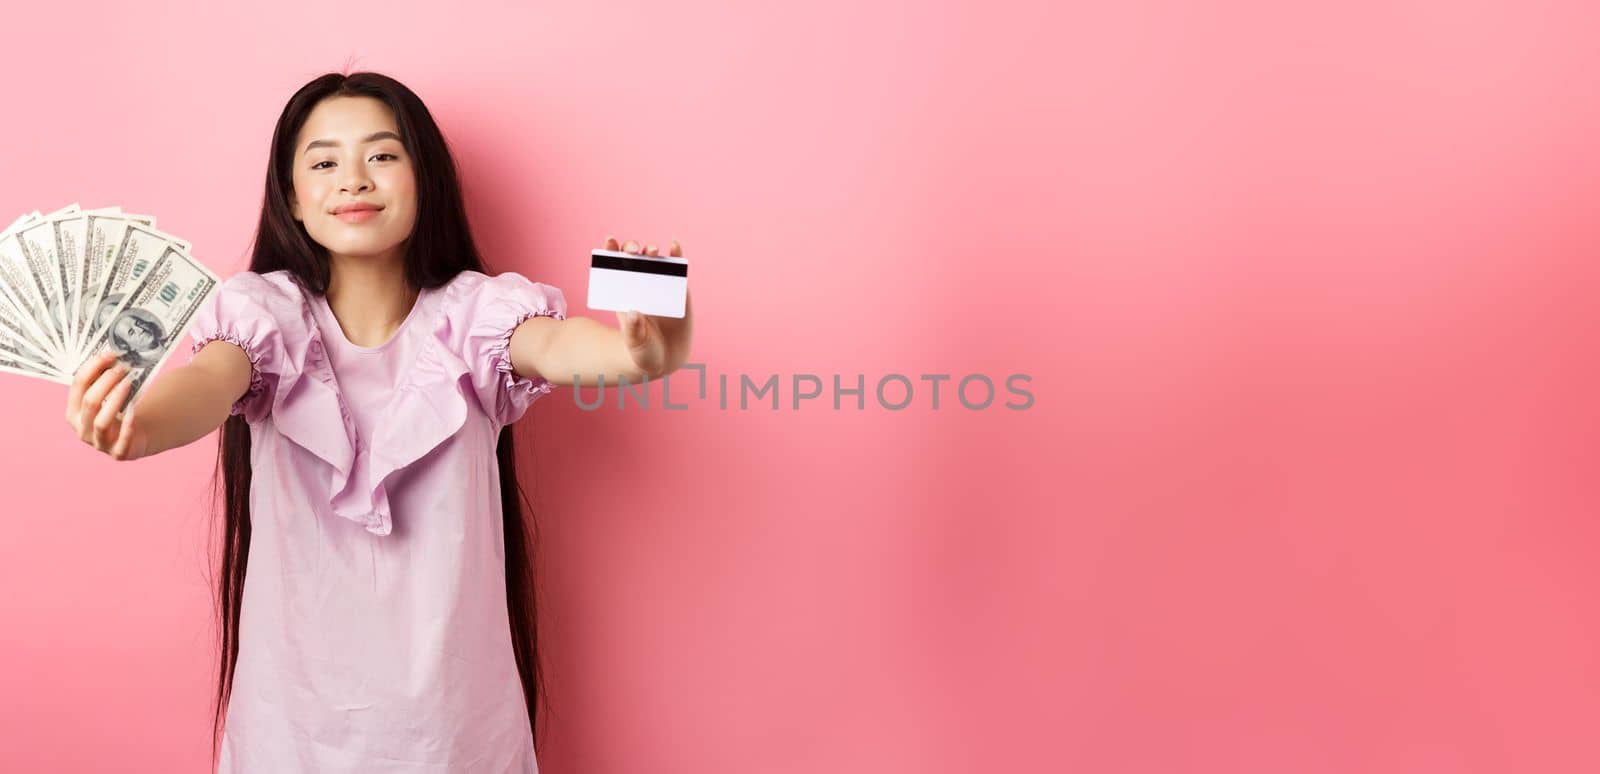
<point x="349" y="151"/>
<point x="345" y="154"/>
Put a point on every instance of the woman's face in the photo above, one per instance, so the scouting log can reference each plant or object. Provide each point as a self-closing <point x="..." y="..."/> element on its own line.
<point x="349" y="155"/>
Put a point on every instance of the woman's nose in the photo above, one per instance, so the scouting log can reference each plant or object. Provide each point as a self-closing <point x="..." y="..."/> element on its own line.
<point x="357" y="183"/>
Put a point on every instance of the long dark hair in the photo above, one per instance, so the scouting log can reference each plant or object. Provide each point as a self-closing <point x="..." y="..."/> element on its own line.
<point x="439" y="248"/>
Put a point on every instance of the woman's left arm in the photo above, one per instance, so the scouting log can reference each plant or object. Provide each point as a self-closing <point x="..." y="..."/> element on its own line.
<point x="580" y="349"/>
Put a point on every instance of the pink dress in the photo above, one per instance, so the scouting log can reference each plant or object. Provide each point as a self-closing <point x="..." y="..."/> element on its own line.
<point x="373" y="634"/>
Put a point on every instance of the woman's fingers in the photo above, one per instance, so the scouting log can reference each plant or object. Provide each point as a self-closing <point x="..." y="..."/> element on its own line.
<point x="81" y="380"/>
<point x="122" y="447"/>
<point x="105" y="422"/>
<point x="93" y="397"/>
<point x="632" y="246"/>
<point x="629" y="323"/>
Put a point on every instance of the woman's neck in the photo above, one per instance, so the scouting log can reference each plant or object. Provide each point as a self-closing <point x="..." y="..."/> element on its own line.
<point x="370" y="297"/>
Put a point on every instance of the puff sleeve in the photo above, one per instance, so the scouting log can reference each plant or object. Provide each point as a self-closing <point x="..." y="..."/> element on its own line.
<point x="492" y="308"/>
<point x="238" y="312"/>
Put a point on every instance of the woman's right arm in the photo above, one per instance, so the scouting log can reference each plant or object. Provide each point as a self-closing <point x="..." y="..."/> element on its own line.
<point x="177" y="407"/>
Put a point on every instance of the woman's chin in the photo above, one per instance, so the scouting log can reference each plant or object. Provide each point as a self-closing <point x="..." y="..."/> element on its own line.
<point x="359" y="248"/>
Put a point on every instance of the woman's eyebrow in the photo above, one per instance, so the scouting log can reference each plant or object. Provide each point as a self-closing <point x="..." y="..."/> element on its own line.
<point x="374" y="137"/>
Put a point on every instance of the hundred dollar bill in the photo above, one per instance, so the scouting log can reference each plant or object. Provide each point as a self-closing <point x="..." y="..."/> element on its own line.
<point x="20" y="292"/>
<point x="19" y="354"/>
<point x="9" y="314"/>
<point x="15" y="338"/>
<point x="66" y="239"/>
<point x="12" y="366"/>
<point x="37" y="243"/>
<point x="137" y="252"/>
<point x="22" y="341"/>
<point x="147" y="327"/>
<point x="103" y="233"/>
<point x="15" y="347"/>
<point x="70" y="232"/>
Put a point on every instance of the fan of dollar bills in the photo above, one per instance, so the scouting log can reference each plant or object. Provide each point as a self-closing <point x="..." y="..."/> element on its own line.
<point x="76" y="282"/>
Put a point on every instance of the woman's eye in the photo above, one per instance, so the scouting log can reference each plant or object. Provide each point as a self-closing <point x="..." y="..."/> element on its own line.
<point x="324" y="164"/>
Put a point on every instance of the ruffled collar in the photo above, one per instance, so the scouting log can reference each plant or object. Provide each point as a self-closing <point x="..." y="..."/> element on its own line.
<point x="428" y="408"/>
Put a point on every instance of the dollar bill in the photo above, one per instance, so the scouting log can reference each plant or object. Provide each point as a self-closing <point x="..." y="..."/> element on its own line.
<point x="76" y="281"/>
<point x="10" y="316"/>
<point x="103" y="235"/>
<point x="42" y="255"/>
<point x="11" y="366"/>
<point x="21" y="291"/>
<point x="70" y="233"/>
<point x="17" y="338"/>
<point x="138" y="250"/>
<point x="154" y="313"/>
<point x="19" y="354"/>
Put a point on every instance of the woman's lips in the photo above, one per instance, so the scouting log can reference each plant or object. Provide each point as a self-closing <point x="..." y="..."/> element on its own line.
<point x="356" y="216"/>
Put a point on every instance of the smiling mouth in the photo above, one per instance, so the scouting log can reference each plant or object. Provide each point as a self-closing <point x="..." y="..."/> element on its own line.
<point x="357" y="214"/>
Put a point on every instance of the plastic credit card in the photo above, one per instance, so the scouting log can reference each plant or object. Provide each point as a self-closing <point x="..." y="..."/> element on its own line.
<point x="621" y="281"/>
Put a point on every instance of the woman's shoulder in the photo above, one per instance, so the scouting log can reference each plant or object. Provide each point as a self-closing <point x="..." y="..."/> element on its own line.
<point x="470" y="292"/>
<point x="273" y="287"/>
<point x="272" y="299"/>
<point x="465" y="282"/>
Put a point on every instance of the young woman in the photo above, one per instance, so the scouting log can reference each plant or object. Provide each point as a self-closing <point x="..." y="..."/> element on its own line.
<point x="365" y="372"/>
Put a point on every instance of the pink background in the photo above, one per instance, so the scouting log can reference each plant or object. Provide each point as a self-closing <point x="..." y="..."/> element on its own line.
<point x="1307" y="295"/>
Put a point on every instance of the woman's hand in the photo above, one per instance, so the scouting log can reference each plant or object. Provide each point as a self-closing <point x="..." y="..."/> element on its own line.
<point x="98" y="390"/>
<point x="658" y="345"/>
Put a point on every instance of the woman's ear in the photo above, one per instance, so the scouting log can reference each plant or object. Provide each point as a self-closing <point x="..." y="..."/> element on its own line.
<point x="294" y="206"/>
